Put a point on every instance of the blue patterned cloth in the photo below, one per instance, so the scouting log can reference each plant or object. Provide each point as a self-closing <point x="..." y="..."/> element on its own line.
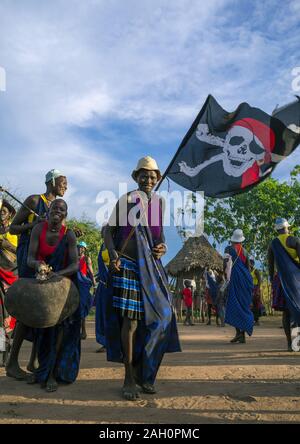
<point x="100" y="299"/>
<point x="238" y="312"/>
<point x="84" y="286"/>
<point x="289" y="275"/>
<point x="67" y="364"/>
<point x="157" y="331"/>
<point x="127" y="293"/>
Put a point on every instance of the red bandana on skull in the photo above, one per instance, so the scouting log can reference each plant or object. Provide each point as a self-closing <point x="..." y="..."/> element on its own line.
<point x="251" y="142"/>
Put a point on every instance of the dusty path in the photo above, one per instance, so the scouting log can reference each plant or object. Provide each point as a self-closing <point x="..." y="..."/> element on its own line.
<point x="211" y="381"/>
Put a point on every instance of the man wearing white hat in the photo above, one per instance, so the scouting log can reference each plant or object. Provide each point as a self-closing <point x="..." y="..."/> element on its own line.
<point x="284" y="255"/>
<point x="22" y="224"/>
<point x="140" y="326"/>
<point x="238" y="312"/>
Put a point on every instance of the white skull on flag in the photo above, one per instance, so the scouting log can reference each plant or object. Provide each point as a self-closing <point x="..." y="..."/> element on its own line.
<point x="248" y="143"/>
<point x="241" y="149"/>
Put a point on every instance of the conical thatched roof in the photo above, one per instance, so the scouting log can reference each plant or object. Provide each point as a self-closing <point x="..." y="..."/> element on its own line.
<point x="195" y="253"/>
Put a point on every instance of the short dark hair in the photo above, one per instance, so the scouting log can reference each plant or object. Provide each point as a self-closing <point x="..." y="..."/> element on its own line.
<point x="58" y="200"/>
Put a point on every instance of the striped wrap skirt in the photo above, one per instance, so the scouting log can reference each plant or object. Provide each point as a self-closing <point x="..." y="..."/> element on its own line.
<point x="126" y="291"/>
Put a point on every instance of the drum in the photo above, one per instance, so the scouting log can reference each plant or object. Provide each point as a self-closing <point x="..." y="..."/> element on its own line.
<point x="42" y="304"/>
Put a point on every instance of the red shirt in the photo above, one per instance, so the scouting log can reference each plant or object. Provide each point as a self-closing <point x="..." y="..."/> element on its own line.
<point x="240" y="252"/>
<point x="83" y="266"/>
<point x="187" y="297"/>
<point x="45" y="249"/>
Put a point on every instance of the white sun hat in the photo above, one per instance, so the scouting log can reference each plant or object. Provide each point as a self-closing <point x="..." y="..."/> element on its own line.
<point x="146" y="163"/>
<point x="237" y="236"/>
<point x="280" y="223"/>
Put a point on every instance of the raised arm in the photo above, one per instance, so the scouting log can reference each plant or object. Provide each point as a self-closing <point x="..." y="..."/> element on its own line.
<point x="19" y="225"/>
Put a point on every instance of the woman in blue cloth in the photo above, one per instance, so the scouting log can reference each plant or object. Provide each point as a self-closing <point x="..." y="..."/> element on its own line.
<point x="58" y="347"/>
<point x="284" y="256"/>
<point x="140" y="323"/>
<point x="239" y="299"/>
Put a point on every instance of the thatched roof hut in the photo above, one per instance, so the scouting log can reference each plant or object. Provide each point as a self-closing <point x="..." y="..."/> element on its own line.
<point x="190" y="262"/>
<point x="195" y="254"/>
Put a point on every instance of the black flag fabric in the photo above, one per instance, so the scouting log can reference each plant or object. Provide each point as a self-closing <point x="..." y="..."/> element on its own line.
<point x="224" y="153"/>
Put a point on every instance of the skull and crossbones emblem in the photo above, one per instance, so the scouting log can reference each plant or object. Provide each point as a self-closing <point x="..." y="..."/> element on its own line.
<point x="242" y="148"/>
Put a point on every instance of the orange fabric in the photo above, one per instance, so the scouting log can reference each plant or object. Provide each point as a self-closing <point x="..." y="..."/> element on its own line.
<point x="240" y="252"/>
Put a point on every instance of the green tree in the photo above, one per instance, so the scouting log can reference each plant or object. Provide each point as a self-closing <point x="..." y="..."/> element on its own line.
<point x="255" y="212"/>
<point x="90" y="234"/>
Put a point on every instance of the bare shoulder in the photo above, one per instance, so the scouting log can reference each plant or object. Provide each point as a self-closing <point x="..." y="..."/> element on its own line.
<point x="37" y="229"/>
<point x="32" y="201"/>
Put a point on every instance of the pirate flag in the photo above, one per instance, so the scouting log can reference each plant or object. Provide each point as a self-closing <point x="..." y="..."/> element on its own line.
<point x="224" y="153"/>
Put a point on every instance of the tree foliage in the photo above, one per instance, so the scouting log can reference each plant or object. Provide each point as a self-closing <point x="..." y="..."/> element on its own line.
<point x="255" y="213"/>
<point x="91" y="235"/>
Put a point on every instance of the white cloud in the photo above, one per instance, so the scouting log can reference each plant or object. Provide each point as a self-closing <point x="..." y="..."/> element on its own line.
<point x="77" y="65"/>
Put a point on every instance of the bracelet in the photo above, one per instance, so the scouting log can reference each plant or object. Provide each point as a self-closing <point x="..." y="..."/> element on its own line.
<point x="165" y="246"/>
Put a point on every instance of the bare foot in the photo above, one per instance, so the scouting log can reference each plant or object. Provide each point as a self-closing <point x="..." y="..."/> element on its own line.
<point x="130" y="392"/>
<point x="51" y="385"/>
<point x="15" y="371"/>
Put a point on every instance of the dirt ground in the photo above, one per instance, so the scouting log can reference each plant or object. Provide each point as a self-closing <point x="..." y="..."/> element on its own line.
<point x="211" y="381"/>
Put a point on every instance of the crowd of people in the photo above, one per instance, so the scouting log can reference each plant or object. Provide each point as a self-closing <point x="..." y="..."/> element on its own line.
<point x="135" y="318"/>
<point x="234" y="294"/>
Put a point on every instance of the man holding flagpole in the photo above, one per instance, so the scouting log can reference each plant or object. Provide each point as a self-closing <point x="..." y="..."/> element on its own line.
<point x="140" y="323"/>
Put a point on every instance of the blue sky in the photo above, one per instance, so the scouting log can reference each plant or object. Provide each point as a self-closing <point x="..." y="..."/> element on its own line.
<point x="92" y="86"/>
